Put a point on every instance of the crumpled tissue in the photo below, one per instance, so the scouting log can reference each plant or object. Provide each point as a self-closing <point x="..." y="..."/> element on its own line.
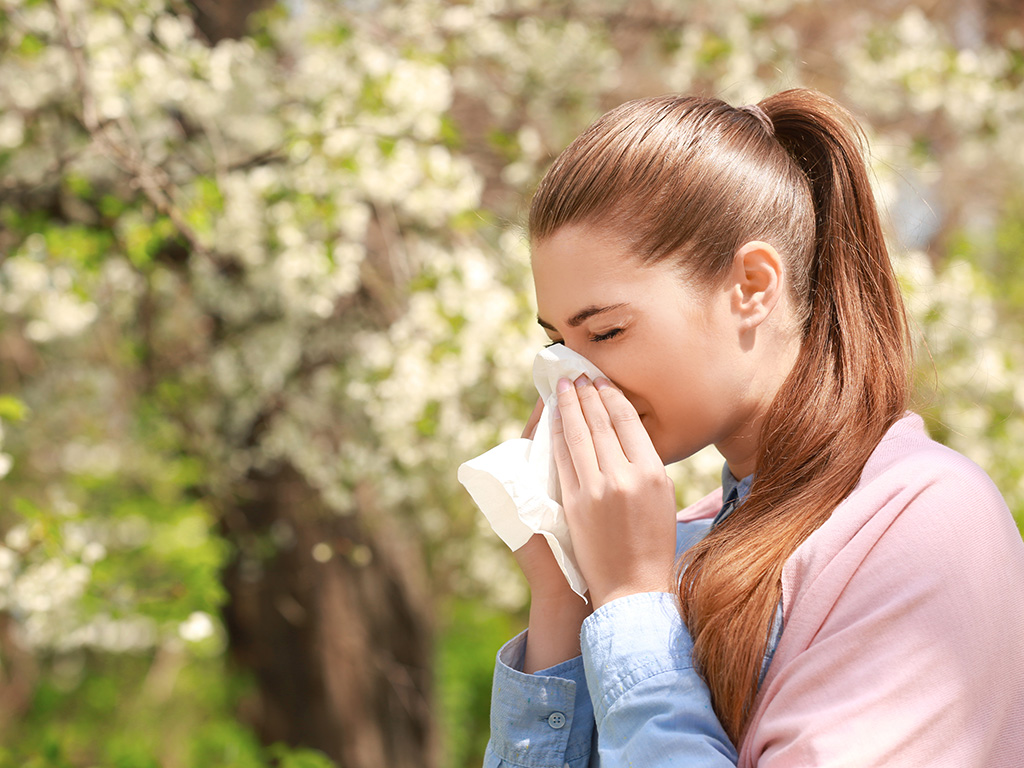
<point x="515" y="484"/>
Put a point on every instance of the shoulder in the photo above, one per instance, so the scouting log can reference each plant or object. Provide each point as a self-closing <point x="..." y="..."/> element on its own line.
<point x="910" y="474"/>
<point x="902" y="607"/>
<point x="920" y="508"/>
<point x="914" y="476"/>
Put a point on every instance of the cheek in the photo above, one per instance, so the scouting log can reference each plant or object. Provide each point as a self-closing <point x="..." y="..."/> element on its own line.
<point x="675" y="394"/>
<point x="624" y="377"/>
<point x="635" y="384"/>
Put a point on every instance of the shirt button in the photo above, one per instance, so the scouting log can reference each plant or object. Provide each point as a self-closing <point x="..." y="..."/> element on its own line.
<point x="556" y="720"/>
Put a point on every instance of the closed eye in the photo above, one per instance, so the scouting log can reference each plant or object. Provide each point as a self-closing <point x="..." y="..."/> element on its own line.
<point x="607" y="335"/>
<point x="595" y="338"/>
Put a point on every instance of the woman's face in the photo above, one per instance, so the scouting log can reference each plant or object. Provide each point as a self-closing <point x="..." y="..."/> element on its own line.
<point x="674" y="349"/>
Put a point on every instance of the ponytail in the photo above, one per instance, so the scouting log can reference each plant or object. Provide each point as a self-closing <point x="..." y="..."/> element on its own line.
<point x="850" y="383"/>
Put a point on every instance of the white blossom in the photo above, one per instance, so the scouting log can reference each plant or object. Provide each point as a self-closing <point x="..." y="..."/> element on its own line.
<point x="342" y="303"/>
<point x="197" y="627"/>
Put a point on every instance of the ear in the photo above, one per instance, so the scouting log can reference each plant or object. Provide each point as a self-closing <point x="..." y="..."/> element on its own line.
<point x="757" y="282"/>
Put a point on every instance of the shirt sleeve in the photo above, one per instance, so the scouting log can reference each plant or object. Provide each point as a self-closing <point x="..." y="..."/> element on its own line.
<point x="546" y="720"/>
<point x="651" y="708"/>
<point x="543" y="720"/>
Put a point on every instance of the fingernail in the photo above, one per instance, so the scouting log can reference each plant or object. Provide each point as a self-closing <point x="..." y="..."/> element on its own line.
<point x="602" y="383"/>
<point x="582" y="381"/>
<point x="563" y="385"/>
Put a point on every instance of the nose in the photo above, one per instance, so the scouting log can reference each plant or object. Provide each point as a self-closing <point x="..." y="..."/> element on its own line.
<point x="580" y="350"/>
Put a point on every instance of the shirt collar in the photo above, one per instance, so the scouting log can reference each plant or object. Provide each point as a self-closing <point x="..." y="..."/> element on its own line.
<point x="733" y="493"/>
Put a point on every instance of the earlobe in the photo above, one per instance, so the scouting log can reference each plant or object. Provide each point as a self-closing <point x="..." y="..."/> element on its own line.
<point x="758" y="278"/>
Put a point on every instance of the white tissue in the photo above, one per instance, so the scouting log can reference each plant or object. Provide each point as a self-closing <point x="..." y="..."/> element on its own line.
<point x="515" y="484"/>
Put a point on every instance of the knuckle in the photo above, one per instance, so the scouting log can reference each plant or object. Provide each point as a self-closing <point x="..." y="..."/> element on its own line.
<point x="621" y="485"/>
<point x="591" y="397"/>
<point x="566" y="397"/>
<point x="575" y="437"/>
<point x="652" y="471"/>
<point x="630" y="416"/>
<point x="656" y="477"/>
<point x="623" y="412"/>
<point x="668" y="488"/>
<point x="600" y="424"/>
<point x="613" y="485"/>
<point x="613" y="396"/>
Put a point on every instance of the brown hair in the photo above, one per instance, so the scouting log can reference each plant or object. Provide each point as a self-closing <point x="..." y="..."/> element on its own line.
<point x="693" y="179"/>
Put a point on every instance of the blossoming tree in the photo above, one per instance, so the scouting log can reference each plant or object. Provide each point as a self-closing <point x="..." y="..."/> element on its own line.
<point x="265" y="285"/>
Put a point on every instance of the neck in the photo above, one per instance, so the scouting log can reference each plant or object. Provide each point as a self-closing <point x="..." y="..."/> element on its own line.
<point x="767" y="373"/>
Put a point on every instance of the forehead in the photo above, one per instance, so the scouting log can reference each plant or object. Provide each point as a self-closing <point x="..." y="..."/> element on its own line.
<point x="579" y="266"/>
<point x="579" y="258"/>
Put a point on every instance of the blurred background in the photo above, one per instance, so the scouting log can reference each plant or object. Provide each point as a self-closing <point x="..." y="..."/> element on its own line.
<point x="264" y="285"/>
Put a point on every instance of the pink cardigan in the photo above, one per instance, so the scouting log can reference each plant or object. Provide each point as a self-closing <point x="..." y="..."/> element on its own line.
<point x="903" y="639"/>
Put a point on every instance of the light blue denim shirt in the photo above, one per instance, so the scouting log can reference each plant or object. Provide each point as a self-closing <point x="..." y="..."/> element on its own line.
<point x="634" y="684"/>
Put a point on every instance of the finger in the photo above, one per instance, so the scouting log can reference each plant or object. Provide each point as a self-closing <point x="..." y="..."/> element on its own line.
<point x="577" y="434"/>
<point x="607" y="448"/>
<point x="567" y="479"/>
<point x="635" y="442"/>
<point x="531" y="423"/>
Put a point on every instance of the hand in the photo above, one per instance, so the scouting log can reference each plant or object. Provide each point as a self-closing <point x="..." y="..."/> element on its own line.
<point x="619" y="502"/>
<point x="535" y="559"/>
<point x="556" y="612"/>
<point x="546" y="580"/>
<point x="531" y="423"/>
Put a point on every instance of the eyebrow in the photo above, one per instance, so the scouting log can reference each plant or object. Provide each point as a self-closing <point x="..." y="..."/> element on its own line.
<point x="583" y="314"/>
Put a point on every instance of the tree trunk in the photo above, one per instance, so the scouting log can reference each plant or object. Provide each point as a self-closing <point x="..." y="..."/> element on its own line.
<point x="330" y="615"/>
<point x="222" y="19"/>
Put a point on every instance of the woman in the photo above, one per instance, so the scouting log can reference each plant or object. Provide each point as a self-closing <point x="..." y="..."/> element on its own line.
<point x="852" y="593"/>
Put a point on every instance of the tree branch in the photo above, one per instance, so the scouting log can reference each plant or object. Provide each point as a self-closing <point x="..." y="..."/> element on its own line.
<point x="113" y="138"/>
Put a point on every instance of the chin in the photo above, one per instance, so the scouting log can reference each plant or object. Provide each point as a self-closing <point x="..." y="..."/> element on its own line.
<point x="666" y="453"/>
<point x="670" y="454"/>
<point x="669" y="458"/>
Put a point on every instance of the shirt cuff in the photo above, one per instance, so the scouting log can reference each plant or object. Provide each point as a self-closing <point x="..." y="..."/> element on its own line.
<point x="629" y="640"/>
<point x="542" y="719"/>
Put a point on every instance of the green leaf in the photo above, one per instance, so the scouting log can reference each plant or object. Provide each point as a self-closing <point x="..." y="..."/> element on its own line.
<point x="13" y="409"/>
<point x="31" y="46"/>
<point x="290" y="757"/>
